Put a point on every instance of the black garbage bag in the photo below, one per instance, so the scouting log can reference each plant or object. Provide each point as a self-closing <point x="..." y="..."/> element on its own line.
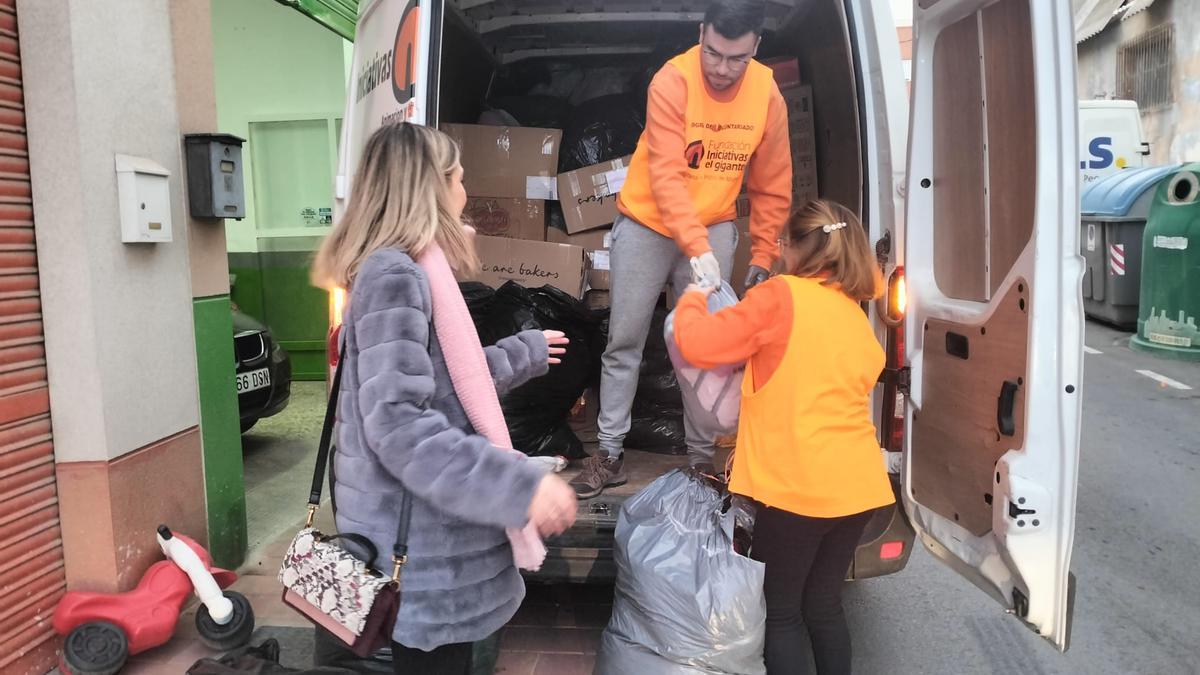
<point x="658" y="396"/>
<point x="537" y="412"/>
<point x="600" y="130"/>
<point x="546" y="112"/>
<point x="655" y="358"/>
<point x="262" y="659"/>
<point x="662" y="435"/>
<point x="332" y="654"/>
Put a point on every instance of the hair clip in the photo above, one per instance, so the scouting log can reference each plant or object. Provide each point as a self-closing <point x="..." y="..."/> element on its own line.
<point x="831" y="227"/>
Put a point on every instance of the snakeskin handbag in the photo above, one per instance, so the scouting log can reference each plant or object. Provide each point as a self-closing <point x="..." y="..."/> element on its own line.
<point x="327" y="583"/>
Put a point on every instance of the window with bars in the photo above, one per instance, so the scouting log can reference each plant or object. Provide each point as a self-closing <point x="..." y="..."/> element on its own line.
<point x="1145" y="66"/>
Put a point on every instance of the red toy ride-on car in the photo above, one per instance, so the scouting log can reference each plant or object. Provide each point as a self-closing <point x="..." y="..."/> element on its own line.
<point x="103" y="630"/>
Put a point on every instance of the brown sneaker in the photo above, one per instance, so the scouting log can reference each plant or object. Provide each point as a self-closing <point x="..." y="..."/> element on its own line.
<point x="598" y="473"/>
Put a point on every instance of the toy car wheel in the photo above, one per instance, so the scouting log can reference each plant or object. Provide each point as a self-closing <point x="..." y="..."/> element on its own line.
<point x="233" y="634"/>
<point x="96" y="648"/>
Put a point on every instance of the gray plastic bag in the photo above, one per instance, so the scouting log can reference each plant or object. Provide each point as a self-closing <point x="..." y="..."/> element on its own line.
<point x="685" y="602"/>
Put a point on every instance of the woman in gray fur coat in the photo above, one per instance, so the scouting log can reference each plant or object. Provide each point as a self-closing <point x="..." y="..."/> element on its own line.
<point x="401" y="425"/>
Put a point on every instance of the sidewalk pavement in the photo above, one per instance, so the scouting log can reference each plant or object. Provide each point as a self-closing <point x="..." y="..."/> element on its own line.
<point x="556" y="631"/>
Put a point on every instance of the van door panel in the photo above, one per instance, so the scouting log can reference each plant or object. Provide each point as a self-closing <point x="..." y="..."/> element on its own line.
<point x="960" y="221"/>
<point x="957" y="439"/>
<point x="995" y="321"/>
<point x="1012" y="168"/>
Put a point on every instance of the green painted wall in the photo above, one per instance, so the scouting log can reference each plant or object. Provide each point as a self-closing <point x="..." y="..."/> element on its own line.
<point x="273" y="287"/>
<point x="219" y="428"/>
<point x="272" y="63"/>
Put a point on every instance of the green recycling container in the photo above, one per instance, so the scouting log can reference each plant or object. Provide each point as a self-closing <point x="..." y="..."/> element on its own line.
<point x="1169" y="311"/>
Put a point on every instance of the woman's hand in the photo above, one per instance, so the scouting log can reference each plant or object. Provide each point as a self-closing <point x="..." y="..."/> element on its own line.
<point x="558" y="341"/>
<point x="697" y="288"/>
<point x="553" y="507"/>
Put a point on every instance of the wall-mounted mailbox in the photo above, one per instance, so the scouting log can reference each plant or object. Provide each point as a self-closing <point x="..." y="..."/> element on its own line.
<point x="214" y="176"/>
<point x="143" y="199"/>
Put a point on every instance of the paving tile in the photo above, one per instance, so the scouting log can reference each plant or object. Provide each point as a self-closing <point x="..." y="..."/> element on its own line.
<point x="536" y="614"/>
<point x="565" y="664"/>
<point x="516" y="663"/>
<point x="551" y="640"/>
<point x="590" y="616"/>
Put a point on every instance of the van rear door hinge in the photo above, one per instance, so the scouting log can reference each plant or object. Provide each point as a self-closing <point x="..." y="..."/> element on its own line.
<point x="901" y="378"/>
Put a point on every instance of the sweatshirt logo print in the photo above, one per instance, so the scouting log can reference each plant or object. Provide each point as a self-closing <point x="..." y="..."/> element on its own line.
<point x="694" y="154"/>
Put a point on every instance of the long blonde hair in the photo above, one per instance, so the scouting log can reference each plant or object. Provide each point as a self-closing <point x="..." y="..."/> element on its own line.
<point x="400" y="199"/>
<point x="841" y="256"/>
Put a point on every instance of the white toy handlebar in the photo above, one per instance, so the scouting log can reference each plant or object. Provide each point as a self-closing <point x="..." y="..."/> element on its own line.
<point x="178" y="552"/>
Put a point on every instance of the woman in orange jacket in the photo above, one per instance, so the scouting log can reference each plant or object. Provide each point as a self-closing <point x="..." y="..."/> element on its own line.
<point x="807" y="450"/>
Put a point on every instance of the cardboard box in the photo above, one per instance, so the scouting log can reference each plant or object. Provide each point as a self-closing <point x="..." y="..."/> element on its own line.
<point x="591" y="240"/>
<point x="802" y="138"/>
<point x="530" y="263"/>
<point x="515" y="162"/>
<point x="505" y="217"/>
<point x="597" y="300"/>
<point x="786" y="70"/>
<point x="589" y="195"/>
<point x="597" y="244"/>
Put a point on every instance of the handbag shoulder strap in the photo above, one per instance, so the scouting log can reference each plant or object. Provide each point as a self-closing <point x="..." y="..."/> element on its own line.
<point x="400" y="549"/>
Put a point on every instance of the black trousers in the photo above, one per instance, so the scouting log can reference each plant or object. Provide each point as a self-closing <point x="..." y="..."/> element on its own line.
<point x="806" y="563"/>
<point x="452" y="659"/>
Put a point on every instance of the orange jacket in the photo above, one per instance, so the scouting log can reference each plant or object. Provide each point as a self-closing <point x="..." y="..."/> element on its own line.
<point x="806" y="440"/>
<point x="727" y="137"/>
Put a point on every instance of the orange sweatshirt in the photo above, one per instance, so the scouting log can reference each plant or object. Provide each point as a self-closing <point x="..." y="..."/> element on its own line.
<point x="666" y="141"/>
<point x="806" y="440"/>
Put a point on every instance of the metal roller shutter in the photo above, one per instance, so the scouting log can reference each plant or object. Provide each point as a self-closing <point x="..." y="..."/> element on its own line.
<point x="32" y="577"/>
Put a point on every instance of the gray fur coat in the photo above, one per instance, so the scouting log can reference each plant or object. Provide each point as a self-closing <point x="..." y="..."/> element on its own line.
<point x="401" y="427"/>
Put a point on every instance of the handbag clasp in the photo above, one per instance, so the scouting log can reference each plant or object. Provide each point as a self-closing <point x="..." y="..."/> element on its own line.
<point x="312" y="515"/>
<point x="397" y="562"/>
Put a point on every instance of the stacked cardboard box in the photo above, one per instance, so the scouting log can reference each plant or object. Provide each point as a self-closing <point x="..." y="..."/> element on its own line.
<point x="803" y="141"/>
<point x="509" y="173"/>
<point x="597" y="244"/>
<point x="800" y="125"/>
<point x="523" y="219"/>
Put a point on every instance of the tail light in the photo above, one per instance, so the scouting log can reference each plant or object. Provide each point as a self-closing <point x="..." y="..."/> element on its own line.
<point x="897" y="305"/>
<point x="897" y="296"/>
<point x="891" y="550"/>
<point x="337" y="302"/>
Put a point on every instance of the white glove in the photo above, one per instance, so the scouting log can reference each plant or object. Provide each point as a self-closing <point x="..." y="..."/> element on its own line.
<point x="706" y="271"/>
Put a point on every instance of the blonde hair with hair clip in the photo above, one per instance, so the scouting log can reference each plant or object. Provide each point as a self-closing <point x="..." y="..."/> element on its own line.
<point x="400" y="199"/>
<point x="829" y="242"/>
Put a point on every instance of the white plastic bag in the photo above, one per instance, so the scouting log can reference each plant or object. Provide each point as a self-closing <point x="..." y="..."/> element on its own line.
<point x="711" y="398"/>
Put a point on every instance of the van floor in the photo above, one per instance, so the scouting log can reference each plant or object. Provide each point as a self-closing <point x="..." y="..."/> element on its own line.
<point x="584" y="553"/>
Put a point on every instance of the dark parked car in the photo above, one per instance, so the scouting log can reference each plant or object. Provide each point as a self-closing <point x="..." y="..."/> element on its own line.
<point x="264" y="371"/>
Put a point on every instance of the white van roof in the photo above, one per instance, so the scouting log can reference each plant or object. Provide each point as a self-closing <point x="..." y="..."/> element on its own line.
<point x="1108" y="104"/>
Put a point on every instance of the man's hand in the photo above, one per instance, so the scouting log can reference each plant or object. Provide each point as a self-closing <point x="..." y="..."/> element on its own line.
<point x="756" y="276"/>
<point x="706" y="271"/>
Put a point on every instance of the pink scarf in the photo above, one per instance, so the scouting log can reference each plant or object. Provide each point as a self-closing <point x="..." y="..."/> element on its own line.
<point x="473" y="382"/>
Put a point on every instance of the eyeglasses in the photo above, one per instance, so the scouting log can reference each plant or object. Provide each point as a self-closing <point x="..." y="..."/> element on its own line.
<point x="714" y="58"/>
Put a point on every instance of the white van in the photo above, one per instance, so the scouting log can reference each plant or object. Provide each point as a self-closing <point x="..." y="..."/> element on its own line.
<point x="986" y="156"/>
<point x="1110" y="138"/>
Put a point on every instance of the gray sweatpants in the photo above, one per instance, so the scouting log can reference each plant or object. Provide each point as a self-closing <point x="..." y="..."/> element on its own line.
<point x="643" y="262"/>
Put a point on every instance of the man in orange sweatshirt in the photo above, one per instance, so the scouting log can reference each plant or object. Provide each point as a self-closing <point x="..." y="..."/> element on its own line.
<point x="715" y="119"/>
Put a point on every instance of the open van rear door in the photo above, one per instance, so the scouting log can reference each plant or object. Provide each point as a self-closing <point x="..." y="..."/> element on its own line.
<point x="995" y="317"/>
<point x="394" y="77"/>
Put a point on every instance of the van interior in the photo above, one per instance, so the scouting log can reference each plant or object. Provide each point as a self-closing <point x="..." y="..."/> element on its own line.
<point x="558" y="63"/>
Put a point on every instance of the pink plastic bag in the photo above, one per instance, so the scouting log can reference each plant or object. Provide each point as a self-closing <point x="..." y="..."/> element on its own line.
<point x="711" y="398"/>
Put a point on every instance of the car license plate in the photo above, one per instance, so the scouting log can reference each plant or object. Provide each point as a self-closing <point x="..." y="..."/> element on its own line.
<point x="253" y="380"/>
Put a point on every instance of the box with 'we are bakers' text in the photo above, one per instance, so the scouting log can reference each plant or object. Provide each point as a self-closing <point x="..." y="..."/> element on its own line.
<point x="530" y="263"/>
